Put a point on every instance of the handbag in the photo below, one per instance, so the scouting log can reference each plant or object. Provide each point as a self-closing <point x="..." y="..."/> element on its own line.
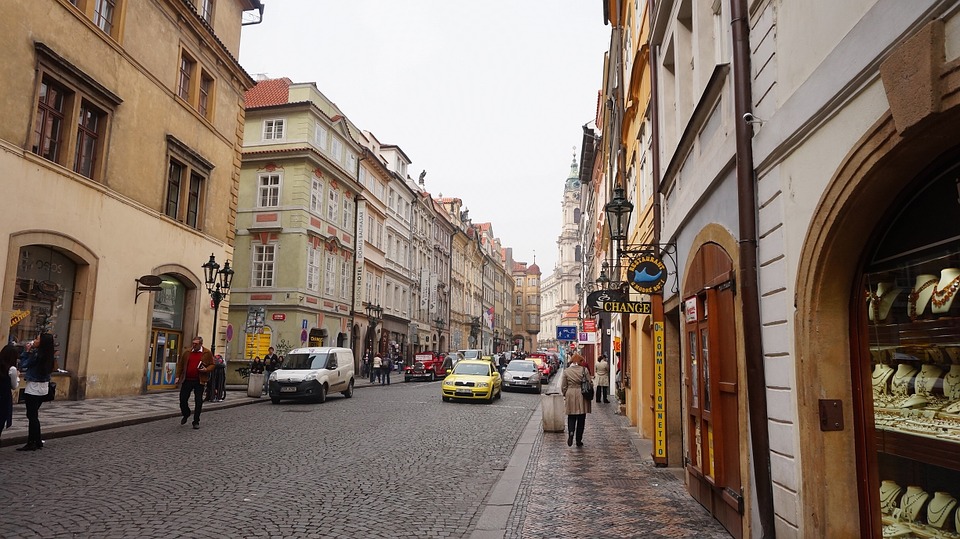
<point x="51" y="391"/>
<point x="586" y="388"/>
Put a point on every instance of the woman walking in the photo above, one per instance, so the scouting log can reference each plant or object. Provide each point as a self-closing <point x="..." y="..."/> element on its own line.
<point x="37" y="363"/>
<point x="574" y="403"/>
<point x="603" y="379"/>
<point x="9" y="380"/>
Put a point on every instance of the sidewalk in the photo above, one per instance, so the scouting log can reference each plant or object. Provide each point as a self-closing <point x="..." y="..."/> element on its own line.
<point x="69" y="418"/>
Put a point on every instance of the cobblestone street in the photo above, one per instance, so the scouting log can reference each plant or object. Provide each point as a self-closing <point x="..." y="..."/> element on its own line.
<point x="391" y="462"/>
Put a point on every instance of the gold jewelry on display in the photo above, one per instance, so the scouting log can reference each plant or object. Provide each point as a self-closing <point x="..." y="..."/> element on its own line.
<point x="915" y="295"/>
<point x="942" y="297"/>
<point x="938" y="517"/>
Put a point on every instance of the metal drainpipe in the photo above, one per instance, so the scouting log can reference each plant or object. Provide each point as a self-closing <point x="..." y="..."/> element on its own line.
<point x="747" y="204"/>
<point x="654" y="128"/>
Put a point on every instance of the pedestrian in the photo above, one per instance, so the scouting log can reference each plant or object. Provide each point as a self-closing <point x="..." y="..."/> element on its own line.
<point x="218" y="380"/>
<point x="387" y="367"/>
<point x="193" y="372"/>
<point x="375" y="372"/>
<point x="575" y="405"/>
<point x="365" y="364"/>
<point x="603" y="378"/>
<point x="271" y="362"/>
<point x="9" y="381"/>
<point x="36" y="362"/>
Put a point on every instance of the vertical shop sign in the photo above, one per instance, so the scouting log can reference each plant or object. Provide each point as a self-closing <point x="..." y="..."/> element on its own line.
<point x="659" y="410"/>
<point x="358" y="256"/>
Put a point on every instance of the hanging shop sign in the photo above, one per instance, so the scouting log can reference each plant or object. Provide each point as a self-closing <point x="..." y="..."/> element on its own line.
<point x="690" y="309"/>
<point x="616" y="301"/>
<point x="647" y="274"/>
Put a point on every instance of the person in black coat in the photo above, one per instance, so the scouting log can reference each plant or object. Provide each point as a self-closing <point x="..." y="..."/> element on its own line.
<point x="9" y="380"/>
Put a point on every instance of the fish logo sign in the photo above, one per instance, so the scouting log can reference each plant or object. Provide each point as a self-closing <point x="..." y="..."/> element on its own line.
<point x="647" y="274"/>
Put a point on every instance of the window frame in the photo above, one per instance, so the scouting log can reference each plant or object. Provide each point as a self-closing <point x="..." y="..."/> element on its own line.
<point x="196" y="87"/>
<point x="190" y="202"/>
<point x="262" y="269"/>
<point x="263" y="190"/>
<point x="270" y="128"/>
<point x="313" y="267"/>
<point x="205" y="8"/>
<point x="90" y="10"/>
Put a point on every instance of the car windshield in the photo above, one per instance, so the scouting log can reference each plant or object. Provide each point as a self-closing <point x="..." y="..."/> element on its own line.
<point x="521" y="366"/>
<point x="472" y="368"/>
<point x="305" y="361"/>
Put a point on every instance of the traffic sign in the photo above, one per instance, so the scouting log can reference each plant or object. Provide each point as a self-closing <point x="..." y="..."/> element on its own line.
<point x="566" y="333"/>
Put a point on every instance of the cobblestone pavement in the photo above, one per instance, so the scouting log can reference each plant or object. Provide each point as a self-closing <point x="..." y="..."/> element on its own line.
<point x="392" y="461"/>
<point x="607" y="488"/>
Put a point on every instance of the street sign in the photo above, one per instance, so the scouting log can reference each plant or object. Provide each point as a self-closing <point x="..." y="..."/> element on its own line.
<point x="229" y="332"/>
<point x="279" y="316"/>
<point x="589" y="324"/>
<point x="587" y="337"/>
<point x="566" y="333"/>
<point x="303" y="325"/>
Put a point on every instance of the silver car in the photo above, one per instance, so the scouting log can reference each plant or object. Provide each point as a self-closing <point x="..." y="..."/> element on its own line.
<point x="522" y="374"/>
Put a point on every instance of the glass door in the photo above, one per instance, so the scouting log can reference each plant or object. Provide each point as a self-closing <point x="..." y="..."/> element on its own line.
<point x="162" y="366"/>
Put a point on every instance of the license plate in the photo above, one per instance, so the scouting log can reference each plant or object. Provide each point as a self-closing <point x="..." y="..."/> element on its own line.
<point x="288" y="389"/>
<point x="464" y="392"/>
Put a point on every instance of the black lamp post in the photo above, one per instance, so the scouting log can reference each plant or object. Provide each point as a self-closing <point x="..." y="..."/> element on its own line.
<point x="374" y="315"/>
<point x="618" y="212"/>
<point x="218" y="281"/>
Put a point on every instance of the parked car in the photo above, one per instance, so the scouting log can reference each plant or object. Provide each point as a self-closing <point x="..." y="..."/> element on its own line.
<point x="471" y="353"/>
<point x="426" y="366"/>
<point x="313" y="373"/>
<point x="472" y="379"/>
<point x="522" y="374"/>
<point x="543" y="366"/>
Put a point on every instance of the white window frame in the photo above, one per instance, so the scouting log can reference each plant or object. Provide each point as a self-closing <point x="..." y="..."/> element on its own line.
<point x="351" y="162"/>
<point x="344" y="278"/>
<point x="269" y="191"/>
<point x="347" y="214"/>
<point x="313" y="268"/>
<point x="264" y="265"/>
<point x="316" y="195"/>
<point x="336" y="149"/>
<point x="329" y="274"/>
<point x="320" y="137"/>
<point x="333" y="204"/>
<point x="274" y="129"/>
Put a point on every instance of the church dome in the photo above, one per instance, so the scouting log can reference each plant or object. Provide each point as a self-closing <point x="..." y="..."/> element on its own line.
<point x="573" y="180"/>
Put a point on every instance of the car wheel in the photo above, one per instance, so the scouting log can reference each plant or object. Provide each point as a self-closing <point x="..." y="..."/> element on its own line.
<point x="349" y="392"/>
<point x="275" y="400"/>
<point x="433" y="376"/>
<point x="405" y="379"/>
<point x="500" y="393"/>
<point x="322" y="394"/>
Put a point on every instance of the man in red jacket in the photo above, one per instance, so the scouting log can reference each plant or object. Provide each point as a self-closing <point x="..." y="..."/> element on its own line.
<point x="193" y="372"/>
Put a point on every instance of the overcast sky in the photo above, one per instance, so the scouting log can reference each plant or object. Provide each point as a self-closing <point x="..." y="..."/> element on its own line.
<point x="487" y="96"/>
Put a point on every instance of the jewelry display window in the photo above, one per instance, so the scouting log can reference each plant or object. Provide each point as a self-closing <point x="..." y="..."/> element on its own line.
<point x="913" y="320"/>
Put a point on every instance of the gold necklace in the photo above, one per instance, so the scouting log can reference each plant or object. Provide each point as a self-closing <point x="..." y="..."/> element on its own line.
<point x="908" y="501"/>
<point x="941" y="297"/>
<point x="915" y="295"/>
<point x="874" y="299"/>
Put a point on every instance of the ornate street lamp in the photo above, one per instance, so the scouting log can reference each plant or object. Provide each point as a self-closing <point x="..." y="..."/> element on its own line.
<point x="374" y="315"/>
<point x="218" y="281"/>
<point x="618" y="212"/>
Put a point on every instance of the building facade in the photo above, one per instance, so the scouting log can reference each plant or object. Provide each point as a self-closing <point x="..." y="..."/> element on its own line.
<point x="121" y="165"/>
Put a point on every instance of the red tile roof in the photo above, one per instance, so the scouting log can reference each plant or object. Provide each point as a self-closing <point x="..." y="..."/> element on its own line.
<point x="268" y="92"/>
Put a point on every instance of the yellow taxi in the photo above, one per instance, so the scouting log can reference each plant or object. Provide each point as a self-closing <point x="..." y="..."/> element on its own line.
<point x="472" y="379"/>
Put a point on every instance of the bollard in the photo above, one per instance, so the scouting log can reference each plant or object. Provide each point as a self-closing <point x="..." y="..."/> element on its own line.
<point x="255" y="385"/>
<point x="553" y="412"/>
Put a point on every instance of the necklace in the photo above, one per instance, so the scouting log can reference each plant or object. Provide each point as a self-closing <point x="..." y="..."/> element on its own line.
<point x="912" y="503"/>
<point x="937" y="517"/>
<point x="952" y="381"/>
<point x="942" y="297"/>
<point x="901" y="381"/>
<point x="915" y="295"/>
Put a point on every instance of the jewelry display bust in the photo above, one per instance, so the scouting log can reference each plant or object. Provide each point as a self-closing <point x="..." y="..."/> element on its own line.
<point x="928" y="379"/>
<point x="951" y="383"/>
<point x="900" y="386"/>
<point x="945" y="290"/>
<point x="939" y="508"/>
<point x="881" y="300"/>
<point x="920" y="295"/>
<point x="882" y="373"/>
<point x="912" y="502"/>
<point x="889" y="496"/>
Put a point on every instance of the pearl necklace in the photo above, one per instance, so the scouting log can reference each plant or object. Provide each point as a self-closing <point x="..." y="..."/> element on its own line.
<point x="915" y="295"/>
<point x="942" y="297"/>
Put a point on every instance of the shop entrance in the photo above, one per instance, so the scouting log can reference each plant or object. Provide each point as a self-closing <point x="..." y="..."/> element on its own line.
<point x="166" y="336"/>
<point x="711" y="387"/>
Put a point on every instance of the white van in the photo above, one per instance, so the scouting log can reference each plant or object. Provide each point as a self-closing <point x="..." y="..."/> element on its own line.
<point x="471" y="353"/>
<point x="313" y="373"/>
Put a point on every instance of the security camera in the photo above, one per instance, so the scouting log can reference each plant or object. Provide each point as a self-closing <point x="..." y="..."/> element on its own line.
<point x="751" y="119"/>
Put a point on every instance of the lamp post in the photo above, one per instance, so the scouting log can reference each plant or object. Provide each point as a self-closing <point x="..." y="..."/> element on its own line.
<point x="374" y="315"/>
<point x="475" y="331"/>
<point x="439" y="322"/>
<point x="218" y="281"/>
<point x="496" y="341"/>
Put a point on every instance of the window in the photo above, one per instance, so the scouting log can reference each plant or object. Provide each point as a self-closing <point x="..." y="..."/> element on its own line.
<point x="273" y="129"/>
<point x="347" y="222"/>
<point x="313" y="268"/>
<point x="329" y="274"/>
<point x="363" y="177"/>
<point x="532" y="299"/>
<point x="316" y="195"/>
<point x="333" y="204"/>
<point x="519" y="281"/>
<point x="105" y="14"/>
<point x="206" y="10"/>
<point x="320" y="137"/>
<point x="67" y="97"/>
<point x="195" y="85"/>
<point x="518" y="319"/>
<point x="351" y="162"/>
<point x="336" y="149"/>
<point x="532" y="319"/>
<point x="268" y="195"/>
<point x="187" y="175"/>
<point x="519" y="301"/>
<point x="264" y="259"/>
<point x="344" y="278"/>
<point x="390" y="199"/>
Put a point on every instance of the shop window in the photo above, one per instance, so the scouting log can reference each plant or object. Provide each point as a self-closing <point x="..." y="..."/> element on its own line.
<point x="909" y="302"/>
<point x="43" y="297"/>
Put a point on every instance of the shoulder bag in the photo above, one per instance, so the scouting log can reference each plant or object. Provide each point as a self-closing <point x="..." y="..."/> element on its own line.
<point x="51" y="391"/>
<point x="586" y="388"/>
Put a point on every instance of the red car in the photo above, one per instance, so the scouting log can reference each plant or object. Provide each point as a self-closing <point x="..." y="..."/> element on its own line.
<point x="543" y="364"/>
<point x="426" y="366"/>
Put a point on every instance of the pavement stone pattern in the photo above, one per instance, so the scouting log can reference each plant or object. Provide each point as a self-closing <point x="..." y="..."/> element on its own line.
<point x="610" y="487"/>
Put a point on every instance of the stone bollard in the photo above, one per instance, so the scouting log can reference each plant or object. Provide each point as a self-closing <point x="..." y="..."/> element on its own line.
<point x="553" y="413"/>
<point x="255" y="385"/>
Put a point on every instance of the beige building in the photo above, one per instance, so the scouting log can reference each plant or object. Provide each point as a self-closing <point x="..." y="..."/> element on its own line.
<point x="120" y="159"/>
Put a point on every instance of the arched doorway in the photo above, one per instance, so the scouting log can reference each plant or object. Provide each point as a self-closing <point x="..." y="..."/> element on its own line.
<point x="166" y="333"/>
<point x="711" y="386"/>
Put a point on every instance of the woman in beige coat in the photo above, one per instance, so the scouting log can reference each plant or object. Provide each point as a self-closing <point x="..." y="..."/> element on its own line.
<point x="574" y="404"/>
<point x="603" y="379"/>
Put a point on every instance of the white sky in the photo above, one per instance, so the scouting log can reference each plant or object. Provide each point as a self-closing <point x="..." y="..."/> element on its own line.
<point x="488" y="96"/>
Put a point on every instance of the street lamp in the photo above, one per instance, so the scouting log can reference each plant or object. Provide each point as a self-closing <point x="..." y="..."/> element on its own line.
<point x="374" y="315"/>
<point x="618" y="212"/>
<point x="218" y="282"/>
